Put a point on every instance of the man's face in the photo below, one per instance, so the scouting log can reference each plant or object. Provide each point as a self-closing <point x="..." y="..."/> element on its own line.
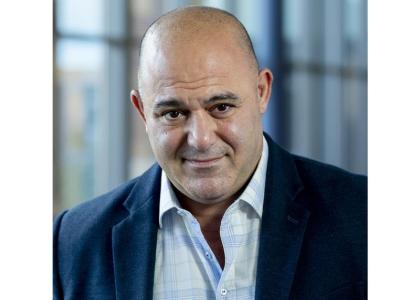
<point x="202" y="106"/>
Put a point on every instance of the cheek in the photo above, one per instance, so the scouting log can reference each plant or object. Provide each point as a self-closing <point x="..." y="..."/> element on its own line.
<point x="165" y="143"/>
<point x="248" y="131"/>
<point x="236" y="136"/>
<point x="239" y="133"/>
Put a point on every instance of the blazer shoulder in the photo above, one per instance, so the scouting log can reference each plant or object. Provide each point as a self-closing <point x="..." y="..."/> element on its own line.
<point x="102" y="205"/>
<point x="82" y="239"/>
<point x="321" y="176"/>
<point x="91" y="221"/>
<point x="337" y="196"/>
<point x="103" y="212"/>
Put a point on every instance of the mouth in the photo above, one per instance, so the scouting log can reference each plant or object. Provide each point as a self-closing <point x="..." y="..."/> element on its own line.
<point x="203" y="163"/>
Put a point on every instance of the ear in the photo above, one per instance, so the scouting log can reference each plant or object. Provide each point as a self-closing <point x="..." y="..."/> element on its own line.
<point x="138" y="104"/>
<point x="265" y="81"/>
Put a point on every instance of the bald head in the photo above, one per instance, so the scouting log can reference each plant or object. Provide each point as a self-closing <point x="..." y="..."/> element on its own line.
<point x="195" y="25"/>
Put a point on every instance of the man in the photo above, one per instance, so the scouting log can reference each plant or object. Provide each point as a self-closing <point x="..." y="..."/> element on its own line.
<point x="226" y="213"/>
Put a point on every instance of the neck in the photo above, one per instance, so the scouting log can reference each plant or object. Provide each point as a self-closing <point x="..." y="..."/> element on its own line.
<point x="209" y="216"/>
<point x="205" y="213"/>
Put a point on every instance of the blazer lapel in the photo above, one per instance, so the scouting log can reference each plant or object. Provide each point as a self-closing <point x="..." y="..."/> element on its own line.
<point x="134" y="240"/>
<point x="285" y="216"/>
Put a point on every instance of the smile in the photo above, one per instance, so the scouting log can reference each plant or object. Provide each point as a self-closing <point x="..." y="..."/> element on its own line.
<point x="203" y="163"/>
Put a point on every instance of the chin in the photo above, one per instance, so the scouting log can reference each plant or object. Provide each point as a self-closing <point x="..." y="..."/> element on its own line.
<point x="210" y="191"/>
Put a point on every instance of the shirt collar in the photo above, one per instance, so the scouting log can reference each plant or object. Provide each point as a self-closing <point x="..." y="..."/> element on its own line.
<point x="253" y="193"/>
<point x="168" y="199"/>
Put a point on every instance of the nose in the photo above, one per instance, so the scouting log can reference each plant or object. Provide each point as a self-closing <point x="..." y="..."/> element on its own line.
<point x="201" y="131"/>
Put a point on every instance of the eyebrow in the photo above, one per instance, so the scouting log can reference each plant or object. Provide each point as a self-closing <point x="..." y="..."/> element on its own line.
<point x="176" y="103"/>
<point x="169" y="102"/>
<point x="222" y="96"/>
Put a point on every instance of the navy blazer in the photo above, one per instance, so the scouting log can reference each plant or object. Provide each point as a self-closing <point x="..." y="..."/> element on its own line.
<point x="313" y="240"/>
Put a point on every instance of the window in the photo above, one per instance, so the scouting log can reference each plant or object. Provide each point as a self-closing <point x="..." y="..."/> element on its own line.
<point x="90" y="99"/>
<point x="316" y="49"/>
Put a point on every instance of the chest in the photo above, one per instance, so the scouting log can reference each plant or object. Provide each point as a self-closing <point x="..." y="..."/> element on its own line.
<point x="209" y="263"/>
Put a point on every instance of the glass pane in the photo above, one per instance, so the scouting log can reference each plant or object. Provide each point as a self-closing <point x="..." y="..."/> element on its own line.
<point x="355" y="109"/>
<point x="302" y="30"/>
<point x="222" y="4"/>
<point x="142" y="14"/>
<point x="80" y="17"/>
<point x="292" y="25"/>
<point x="353" y="19"/>
<point x="355" y="33"/>
<point x="79" y="82"/>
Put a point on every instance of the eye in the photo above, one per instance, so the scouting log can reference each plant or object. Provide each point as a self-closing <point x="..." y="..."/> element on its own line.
<point x="172" y="115"/>
<point x="221" y="109"/>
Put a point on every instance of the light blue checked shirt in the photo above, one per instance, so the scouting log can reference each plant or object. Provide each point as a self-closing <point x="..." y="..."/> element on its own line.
<point x="186" y="267"/>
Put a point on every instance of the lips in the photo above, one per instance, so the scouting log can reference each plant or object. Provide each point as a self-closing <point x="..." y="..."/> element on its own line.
<point x="203" y="163"/>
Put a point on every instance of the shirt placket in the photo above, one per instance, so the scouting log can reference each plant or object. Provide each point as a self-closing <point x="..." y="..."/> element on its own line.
<point x="203" y="250"/>
<point x="226" y="289"/>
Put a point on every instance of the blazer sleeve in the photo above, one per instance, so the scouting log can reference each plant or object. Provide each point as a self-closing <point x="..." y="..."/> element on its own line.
<point x="57" y="288"/>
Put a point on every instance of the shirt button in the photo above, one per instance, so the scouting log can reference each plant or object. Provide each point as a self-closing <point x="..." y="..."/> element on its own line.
<point x="223" y="292"/>
<point x="208" y="255"/>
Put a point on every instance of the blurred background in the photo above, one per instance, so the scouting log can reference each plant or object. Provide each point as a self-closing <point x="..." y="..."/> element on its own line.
<point x="317" y="50"/>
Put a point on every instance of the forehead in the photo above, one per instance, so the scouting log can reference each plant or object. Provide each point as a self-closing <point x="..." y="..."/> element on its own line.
<point x="198" y="62"/>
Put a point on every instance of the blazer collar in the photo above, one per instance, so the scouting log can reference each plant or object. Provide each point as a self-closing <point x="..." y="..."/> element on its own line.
<point x="285" y="216"/>
<point x="134" y="239"/>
